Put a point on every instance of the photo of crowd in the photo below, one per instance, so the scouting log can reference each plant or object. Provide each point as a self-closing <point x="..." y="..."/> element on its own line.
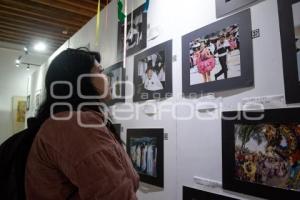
<point x="215" y="56"/>
<point x="268" y="154"/>
<point x="143" y="153"/>
<point x="151" y="73"/>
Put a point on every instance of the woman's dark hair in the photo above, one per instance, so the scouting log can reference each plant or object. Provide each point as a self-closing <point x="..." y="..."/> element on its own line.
<point x="67" y="67"/>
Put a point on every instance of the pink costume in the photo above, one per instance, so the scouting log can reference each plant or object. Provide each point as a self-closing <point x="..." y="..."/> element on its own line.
<point x="206" y="62"/>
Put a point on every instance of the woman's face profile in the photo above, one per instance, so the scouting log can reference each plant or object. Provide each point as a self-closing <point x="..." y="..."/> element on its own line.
<point x="100" y="82"/>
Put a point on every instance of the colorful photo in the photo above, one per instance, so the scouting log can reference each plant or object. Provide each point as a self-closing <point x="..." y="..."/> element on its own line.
<point x="143" y="153"/>
<point x="268" y="154"/>
<point x="215" y="56"/>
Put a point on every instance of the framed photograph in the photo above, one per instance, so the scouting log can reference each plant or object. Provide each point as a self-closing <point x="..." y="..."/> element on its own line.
<point x="116" y="79"/>
<point x="136" y="36"/>
<point x="153" y="73"/>
<point x="218" y="56"/>
<point x="27" y="102"/>
<point x="18" y="113"/>
<point x="145" y="148"/>
<point x="261" y="152"/>
<point x="224" y="7"/>
<point x="193" y="194"/>
<point x="289" y="18"/>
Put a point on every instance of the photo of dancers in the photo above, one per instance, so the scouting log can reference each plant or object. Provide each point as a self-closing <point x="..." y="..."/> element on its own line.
<point x="151" y="73"/>
<point x="268" y="154"/>
<point x="215" y="56"/>
<point x="136" y="33"/>
<point x="143" y="154"/>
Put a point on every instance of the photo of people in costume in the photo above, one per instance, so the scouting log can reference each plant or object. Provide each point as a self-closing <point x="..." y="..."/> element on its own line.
<point x="268" y="154"/>
<point x="151" y="73"/>
<point x="215" y="56"/>
<point x="143" y="153"/>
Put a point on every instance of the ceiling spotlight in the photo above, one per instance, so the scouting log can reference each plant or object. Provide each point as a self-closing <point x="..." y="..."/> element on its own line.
<point x="65" y="32"/>
<point x="40" y="46"/>
<point x="18" y="61"/>
<point x="17" y="65"/>
<point x="25" y="49"/>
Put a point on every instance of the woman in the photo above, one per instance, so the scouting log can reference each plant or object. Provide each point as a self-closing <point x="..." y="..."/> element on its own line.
<point x="205" y="63"/>
<point x="68" y="160"/>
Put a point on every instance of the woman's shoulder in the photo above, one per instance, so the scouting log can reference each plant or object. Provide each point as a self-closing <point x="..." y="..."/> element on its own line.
<point x="84" y="130"/>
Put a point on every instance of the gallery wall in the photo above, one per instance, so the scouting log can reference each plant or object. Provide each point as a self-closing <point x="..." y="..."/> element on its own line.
<point x="13" y="82"/>
<point x="192" y="145"/>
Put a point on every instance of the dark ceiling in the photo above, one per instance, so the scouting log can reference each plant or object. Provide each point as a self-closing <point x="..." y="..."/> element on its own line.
<point x="24" y="22"/>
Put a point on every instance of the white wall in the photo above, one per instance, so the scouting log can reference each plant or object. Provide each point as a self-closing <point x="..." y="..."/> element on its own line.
<point x="193" y="147"/>
<point x="13" y="82"/>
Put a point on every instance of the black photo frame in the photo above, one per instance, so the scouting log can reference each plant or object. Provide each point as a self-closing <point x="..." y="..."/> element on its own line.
<point x="194" y="194"/>
<point x="291" y="67"/>
<point x="253" y="147"/>
<point x="224" y="7"/>
<point x="137" y="35"/>
<point x="153" y="140"/>
<point x="156" y="63"/>
<point x="240" y="74"/>
<point x="118" y="80"/>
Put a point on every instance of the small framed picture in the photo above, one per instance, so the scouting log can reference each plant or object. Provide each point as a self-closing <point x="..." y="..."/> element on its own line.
<point x="218" y="56"/>
<point x="136" y="36"/>
<point x="145" y="147"/>
<point x="224" y="7"/>
<point x="289" y="18"/>
<point x="193" y="194"/>
<point x="261" y="152"/>
<point x="153" y="73"/>
<point x="116" y="79"/>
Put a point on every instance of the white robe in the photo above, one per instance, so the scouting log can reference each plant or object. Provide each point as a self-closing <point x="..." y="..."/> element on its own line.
<point x="153" y="84"/>
<point x="150" y="160"/>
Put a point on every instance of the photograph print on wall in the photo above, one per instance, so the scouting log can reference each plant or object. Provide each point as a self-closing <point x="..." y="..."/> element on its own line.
<point x="136" y="37"/>
<point x="215" y="56"/>
<point x="145" y="149"/>
<point x="153" y="73"/>
<point x="218" y="56"/>
<point x="116" y="79"/>
<point x="261" y="152"/>
<point x="268" y="154"/>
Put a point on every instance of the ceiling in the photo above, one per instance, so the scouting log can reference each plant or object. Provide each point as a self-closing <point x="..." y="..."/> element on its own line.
<point x="24" y="22"/>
